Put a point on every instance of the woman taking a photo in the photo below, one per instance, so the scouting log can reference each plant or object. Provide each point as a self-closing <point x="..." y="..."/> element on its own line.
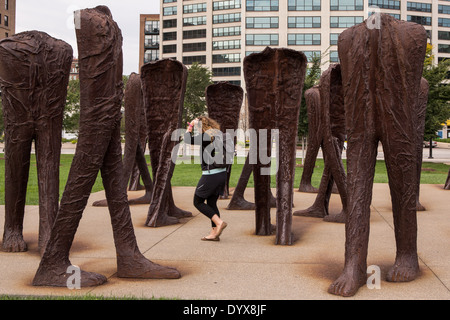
<point x="212" y="183"/>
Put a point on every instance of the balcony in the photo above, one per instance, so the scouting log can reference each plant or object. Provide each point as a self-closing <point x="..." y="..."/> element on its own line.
<point x="151" y="45"/>
<point x="149" y="30"/>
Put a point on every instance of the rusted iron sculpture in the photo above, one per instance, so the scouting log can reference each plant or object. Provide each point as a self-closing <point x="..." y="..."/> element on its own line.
<point x="381" y="60"/>
<point x="224" y="102"/>
<point x="34" y="75"/>
<point x="274" y="80"/>
<point x="98" y="148"/>
<point x="164" y="85"/>
<point x="331" y="138"/>
<point x="447" y="182"/>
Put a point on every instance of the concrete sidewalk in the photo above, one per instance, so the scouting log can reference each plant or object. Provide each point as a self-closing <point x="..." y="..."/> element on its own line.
<point x="242" y="265"/>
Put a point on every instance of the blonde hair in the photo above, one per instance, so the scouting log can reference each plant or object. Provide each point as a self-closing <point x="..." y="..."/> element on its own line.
<point x="209" y="126"/>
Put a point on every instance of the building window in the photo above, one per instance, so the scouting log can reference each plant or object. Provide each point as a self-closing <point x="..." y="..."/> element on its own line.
<point x="225" y="5"/>
<point x="443" y="22"/>
<point x="261" y="39"/>
<point x="170" y="48"/>
<point x="227" y="31"/>
<point x="226" y="72"/>
<point x="334" y="56"/>
<point x="169" y="11"/>
<point x="346" y="5"/>
<point x="6" y="4"/>
<point x="168" y="36"/>
<point x="302" y="39"/>
<point x="151" y="55"/>
<point x="262" y="5"/>
<point x="151" y="26"/>
<point x="192" y="47"/>
<point x="6" y="21"/>
<point x="304" y="5"/>
<point x="226" y="44"/>
<point x="304" y="22"/>
<point x="226" y="18"/>
<point x="444" y="9"/>
<point x="170" y="23"/>
<point x="426" y="21"/>
<point x="194" y="34"/>
<point x="444" y="48"/>
<point x="169" y="1"/>
<point x="310" y="54"/>
<point x="151" y="41"/>
<point x="193" y="8"/>
<point x="226" y="58"/>
<point x="444" y="35"/>
<point x="261" y="23"/>
<point x="190" y="60"/>
<point x="385" y="4"/>
<point x="418" y="6"/>
<point x="194" y="21"/>
<point x="344" y="22"/>
<point x="334" y="38"/>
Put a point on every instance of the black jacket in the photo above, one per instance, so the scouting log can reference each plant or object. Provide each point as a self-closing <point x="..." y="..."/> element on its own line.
<point x="204" y="140"/>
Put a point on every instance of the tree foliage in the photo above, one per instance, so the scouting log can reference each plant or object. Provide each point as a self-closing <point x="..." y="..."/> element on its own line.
<point x="71" y="117"/>
<point x="438" y="107"/>
<point x="199" y="78"/>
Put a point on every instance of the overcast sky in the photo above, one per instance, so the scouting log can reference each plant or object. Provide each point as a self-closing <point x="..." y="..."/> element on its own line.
<point x="55" y="17"/>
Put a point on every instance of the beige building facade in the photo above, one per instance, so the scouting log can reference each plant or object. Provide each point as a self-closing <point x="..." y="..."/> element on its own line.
<point x="219" y="34"/>
<point x="7" y="18"/>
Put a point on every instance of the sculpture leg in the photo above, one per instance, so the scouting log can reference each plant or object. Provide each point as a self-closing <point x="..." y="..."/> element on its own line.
<point x="130" y="261"/>
<point x="308" y="168"/>
<point x="401" y="168"/>
<point x="447" y="182"/>
<point x="361" y="159"/>
<point x="237" y="201"/>
<point x="48" y="147"/>
<point x="18" y="138"/>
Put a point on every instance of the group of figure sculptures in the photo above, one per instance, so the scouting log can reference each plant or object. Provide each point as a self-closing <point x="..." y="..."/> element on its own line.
<point x="375" y="94"/>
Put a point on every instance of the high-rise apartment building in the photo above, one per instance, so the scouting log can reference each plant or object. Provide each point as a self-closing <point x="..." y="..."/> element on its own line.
<point x="219" y="34"/>
<point x="7" y="18"/>
<point x="149" y="38"/>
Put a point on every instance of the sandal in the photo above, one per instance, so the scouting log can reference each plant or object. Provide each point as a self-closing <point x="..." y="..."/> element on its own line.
<point x="211" y="239"/>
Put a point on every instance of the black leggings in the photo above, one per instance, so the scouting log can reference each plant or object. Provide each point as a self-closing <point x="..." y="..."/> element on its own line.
<point x="209" y="208"/>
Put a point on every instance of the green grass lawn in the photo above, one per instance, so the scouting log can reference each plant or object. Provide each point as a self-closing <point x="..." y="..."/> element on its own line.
<point x="188" y="174"/>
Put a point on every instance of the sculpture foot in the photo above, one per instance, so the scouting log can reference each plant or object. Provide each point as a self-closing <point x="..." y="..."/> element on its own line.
<point x="59" y="276"/>
<point x="420" y="207"/>
<point x="13" y="242"/>
<point x="311" y="212"/>
<point x="142" y="268"/>
<point x="100" y="203"/>
<point x="180" y="213"/>
<point x="161" y="221"/>
<point x="406" y="268"/>
<point x="307" y="188"/>
<point x="145" y="199"/>
<point x="337" y="218"/>
<point x="241" y="204"/>
<point x="348" y="283"/>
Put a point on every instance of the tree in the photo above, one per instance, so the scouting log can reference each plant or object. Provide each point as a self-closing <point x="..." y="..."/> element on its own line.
<point x="438" y="107"/>
<point x="71" y="117"/>
<point x="199" y="78"/>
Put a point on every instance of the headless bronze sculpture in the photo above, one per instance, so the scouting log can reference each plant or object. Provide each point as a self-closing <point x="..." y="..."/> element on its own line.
<point x="98" y="148"/>
<point x="274" y="80"/>
<point x="224" y="102"/>
<point x="381" y="75"/>
<point x="34" y="75"/>
<point x="421" y="112"/>
<point x="329" y="97"/>
<point x="164" y="85"/>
